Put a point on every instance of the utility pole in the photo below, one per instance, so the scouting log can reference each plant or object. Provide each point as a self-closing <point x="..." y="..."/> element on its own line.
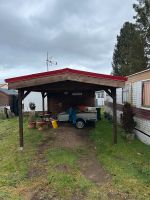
<point x="52" y="62"/>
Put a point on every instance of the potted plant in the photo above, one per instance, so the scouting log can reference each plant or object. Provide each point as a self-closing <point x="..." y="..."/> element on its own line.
<point x="32" y="106"/>
<point x="41" y="124"/>
<point x="127" y="121"/>
<point x="31" y="122"/>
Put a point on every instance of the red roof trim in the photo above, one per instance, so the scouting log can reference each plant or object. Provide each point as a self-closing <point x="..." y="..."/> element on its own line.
<point x="61" y="71"/>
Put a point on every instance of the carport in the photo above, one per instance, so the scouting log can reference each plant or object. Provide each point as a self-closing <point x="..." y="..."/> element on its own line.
<point x="64" y="81"/>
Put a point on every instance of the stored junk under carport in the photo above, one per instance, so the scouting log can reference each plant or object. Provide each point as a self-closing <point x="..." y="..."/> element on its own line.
<point x="58" y="83"/>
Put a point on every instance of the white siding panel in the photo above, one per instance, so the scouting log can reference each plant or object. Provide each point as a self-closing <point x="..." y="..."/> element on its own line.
<point x="108" y="98"/>
<point x="119" y="95"/>
<point x="137" y="94"/>
<point x="143" y="138"/>
<point x="144" y="126"/>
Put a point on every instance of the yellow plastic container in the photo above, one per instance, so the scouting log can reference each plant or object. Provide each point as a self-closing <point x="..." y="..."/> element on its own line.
<point x="54" y="124"/>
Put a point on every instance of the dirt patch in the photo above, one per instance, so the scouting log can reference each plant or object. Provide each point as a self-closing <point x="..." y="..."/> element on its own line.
<point x="118" y="196"/>
<point x="35" y="172"/>
<point x="46" y="143"/>
<point x="65" y="137"/>
<point x="92" y="169"/>
<point x="78" y="196"/>
<point x="46" y="194"/>
<point x="38" y="166"/>
<point x="38" y="171"/>
<point x="70" y="137"/>
<point x="43" y="194"/>
<point x="63" y="168"/>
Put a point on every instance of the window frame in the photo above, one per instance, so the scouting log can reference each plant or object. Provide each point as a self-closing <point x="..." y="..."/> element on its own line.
<point x="125" y="92"/>
<point x="98" y="95"/>
<point x="142" y="99"/>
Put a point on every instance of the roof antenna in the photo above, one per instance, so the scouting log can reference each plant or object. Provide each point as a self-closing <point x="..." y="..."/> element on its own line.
<point x="52" y="62"/>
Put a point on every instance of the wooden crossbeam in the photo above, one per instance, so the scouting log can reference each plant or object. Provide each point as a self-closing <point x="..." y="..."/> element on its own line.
<point x="26" y="94"/>
<point x="109" y="92"/>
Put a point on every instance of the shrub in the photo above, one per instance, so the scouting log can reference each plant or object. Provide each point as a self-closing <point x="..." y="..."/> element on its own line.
<point x="127" y="119"/>
<point x="108" y="116"/>
<point x="105" y="115"/>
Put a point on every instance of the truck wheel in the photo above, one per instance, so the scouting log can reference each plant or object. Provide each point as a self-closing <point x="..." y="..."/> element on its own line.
<point x="80" y="123"/>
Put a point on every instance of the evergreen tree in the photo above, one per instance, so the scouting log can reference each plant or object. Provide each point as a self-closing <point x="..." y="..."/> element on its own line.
<point x="142" y="18"/>
<point x="129" y="56"/>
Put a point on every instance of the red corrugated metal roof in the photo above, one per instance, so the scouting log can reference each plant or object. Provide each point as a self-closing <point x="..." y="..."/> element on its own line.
<point x="61" y="71"/>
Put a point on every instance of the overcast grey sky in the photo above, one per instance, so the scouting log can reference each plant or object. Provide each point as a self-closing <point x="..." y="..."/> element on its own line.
<point x="79" y="34"/>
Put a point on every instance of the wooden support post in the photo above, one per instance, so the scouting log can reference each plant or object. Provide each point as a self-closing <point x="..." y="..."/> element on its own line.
<point x="113" y="91"/>
<point x="43" y="106"/>
<point x="47" y="103"/>
<point x="20" y="97"/>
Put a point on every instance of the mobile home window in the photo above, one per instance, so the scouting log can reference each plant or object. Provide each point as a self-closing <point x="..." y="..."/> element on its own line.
<point x="102" y="94"/>
<point x="125" y="94"/>
<point x="98" y="95"/>
<point x="146" y="93"/>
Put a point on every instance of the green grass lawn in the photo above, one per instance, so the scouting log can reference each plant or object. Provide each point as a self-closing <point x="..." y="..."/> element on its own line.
<point x="128" y="164"/>
<point x="14" y="163"/>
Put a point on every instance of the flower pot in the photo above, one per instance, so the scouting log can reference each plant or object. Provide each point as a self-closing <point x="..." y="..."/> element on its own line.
<point x="41" y="125"/>
<point x="130" y="137"/>
<point x="31" y="125"/>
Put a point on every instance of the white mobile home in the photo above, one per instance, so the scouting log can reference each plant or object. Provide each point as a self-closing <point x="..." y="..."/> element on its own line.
<point x="99" y="98"/>
<point x="137" y="93"/>
<point x="36" y="98"/>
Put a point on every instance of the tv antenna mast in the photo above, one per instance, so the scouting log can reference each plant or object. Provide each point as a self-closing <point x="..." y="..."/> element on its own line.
<point x="50" y="61"/>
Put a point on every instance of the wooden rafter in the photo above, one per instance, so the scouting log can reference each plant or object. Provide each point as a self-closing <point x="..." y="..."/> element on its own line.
<point x="109" y="92"/>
